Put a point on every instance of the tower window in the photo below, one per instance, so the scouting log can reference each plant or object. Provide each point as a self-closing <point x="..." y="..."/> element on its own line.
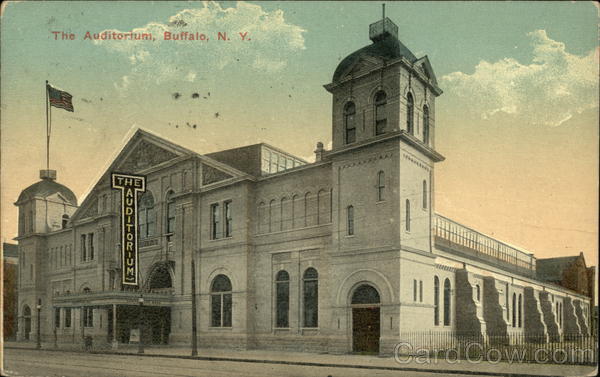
<point x="426" y="124"/>
<point x="380" y="113"/>
<point x="350" y="219"/>
<point x="446" y="302"/>
<point x="436" y="301"/>
<point x="425" y="194"/>
<point x="349" y="122"/>
<point x="407" y="216"/>
<point x="410" y="110"/>
<point x="65" y="220"/>
<point x="380" y="186"/>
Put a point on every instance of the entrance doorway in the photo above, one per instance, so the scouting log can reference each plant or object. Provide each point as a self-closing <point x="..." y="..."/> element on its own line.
<point x="365" y="320"/>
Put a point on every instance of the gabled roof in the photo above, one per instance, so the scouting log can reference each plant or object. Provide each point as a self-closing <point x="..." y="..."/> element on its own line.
<point x="154" y="150"/>
<point x="427" y="68"/>
<point x="552" y="269"/>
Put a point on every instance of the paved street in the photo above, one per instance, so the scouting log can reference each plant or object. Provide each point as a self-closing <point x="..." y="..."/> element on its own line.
<point x="71" y="364"/>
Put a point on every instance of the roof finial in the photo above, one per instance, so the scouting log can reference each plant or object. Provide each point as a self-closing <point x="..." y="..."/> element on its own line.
<point x="383" y="8"/>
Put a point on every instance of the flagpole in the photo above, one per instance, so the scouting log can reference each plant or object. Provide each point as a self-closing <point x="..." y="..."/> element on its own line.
<point x="47" y="130"/>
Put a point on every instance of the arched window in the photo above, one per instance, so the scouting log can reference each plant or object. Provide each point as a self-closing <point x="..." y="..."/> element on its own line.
<point x="425" y="194"/>
<point x="426" y="124"/>
<point x="380" y="113"/>
<point x="436" y="301"/>
<point x="410" y="110"/>
<point x="65" y="220"/>
<point x="350" y="220"/>
<point x="380" y="186"/>
<point x="407" y="216"/>
<point x="271" y="215"/>
<point x="284" y="215"/>
<point x="365" y="294"/>
<point x="520" y="313"/>
<point x="514" y="310"/>
<point x="170" y="220"/>
<point x="311" y="297"/>
<point x="446" y="302"/>
<point x="160" y="278"/>
<point x="221" y="303"/>
<point x="262" y="218"/>
<point x="146" y="215"/>
<point x="282" y="288"/>
<point x="349" y="122"/>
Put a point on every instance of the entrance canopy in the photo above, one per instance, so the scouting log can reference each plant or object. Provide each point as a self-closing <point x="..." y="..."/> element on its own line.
<point x="114" y="297"/>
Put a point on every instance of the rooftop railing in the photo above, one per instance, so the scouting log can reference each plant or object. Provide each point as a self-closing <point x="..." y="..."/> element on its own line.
<point x="462" y="239"/>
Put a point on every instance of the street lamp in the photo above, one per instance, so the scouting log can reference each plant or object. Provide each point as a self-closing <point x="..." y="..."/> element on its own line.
<point x="140" y="342"/>
<point x="39" y="310"/>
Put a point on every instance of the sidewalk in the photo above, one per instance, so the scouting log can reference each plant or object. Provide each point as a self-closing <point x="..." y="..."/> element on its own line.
<point x="330" y="360"/>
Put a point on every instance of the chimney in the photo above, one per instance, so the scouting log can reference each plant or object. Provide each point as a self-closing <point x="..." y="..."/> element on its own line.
<point x="319" y="152"/>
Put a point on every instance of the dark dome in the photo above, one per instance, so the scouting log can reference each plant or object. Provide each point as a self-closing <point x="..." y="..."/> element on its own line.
<point x="388" y="48"/>
<point x="47" y="187"/>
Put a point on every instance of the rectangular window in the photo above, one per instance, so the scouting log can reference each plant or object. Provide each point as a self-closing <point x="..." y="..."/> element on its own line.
<point x="273" y="159"/>
<point x="425" y="194"/>
<point x="350" y="220"/>
<point x="67" y="317"/>
<point x="215" y="221"/>
<point x="57" y="317"/>
<point x="420" y="290"/>
<point x="414" y="290"/>
<point x="91" y="251"/>
<point x="83" y="248"/>
<point x="282" y="163"/>
<point x="88" y="317"/>
<point x="228" y="218"/>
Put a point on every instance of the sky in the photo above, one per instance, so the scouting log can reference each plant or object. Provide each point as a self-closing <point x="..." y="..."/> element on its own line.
<point x="517" y="123"/>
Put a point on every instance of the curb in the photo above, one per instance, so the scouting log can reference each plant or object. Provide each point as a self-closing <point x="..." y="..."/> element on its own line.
<point x="284" y="362"/>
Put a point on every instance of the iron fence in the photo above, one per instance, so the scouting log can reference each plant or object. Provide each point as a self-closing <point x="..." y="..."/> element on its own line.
<point x="531" y="348"/>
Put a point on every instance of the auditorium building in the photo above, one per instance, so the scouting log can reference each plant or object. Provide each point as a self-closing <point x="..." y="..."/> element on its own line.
<point x="344" y="254"/>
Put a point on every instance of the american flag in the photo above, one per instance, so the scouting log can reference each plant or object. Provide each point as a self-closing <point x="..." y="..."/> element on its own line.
<point x="60" y="99"/>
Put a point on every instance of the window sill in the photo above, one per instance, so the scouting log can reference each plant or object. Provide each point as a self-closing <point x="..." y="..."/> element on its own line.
<point x="380" y="202"/>
<point x="212" y="328"/>
<point x="220" y="239"/>
<point x="350" y="236"/>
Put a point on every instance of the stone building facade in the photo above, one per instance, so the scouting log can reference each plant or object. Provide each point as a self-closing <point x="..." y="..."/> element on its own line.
<point x="343" y="254"/>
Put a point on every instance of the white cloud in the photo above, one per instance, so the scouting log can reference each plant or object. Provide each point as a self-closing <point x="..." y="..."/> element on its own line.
<point x="272" y="41"/>
<point x="549" y="91"/>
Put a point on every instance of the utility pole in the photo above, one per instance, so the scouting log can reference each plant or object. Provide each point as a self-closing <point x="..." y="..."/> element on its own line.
<point x="39" y="333"/>
<point x="141" y="324"/>
<point x="194" y="339"/>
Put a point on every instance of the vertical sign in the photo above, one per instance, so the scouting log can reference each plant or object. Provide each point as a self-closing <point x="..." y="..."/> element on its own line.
<point x="130" y="186"/>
